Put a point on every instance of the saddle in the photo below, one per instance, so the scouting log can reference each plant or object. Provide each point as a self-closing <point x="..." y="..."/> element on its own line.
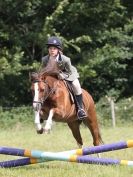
<point x="70" y="91"/>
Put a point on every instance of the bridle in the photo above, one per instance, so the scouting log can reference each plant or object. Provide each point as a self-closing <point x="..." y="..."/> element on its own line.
<point x="48" y="91"/>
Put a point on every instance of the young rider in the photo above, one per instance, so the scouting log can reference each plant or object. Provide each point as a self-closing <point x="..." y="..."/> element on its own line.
<point x="68" y="71"/>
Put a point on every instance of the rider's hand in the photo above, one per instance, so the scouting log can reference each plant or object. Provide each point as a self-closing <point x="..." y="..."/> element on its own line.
<point x="61" y="76"/>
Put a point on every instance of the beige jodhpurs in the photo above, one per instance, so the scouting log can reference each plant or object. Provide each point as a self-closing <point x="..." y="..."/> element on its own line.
<point x="76" y="87"/>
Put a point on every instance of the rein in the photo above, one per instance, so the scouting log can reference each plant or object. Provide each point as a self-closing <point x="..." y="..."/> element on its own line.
<point x="48" y="93"/>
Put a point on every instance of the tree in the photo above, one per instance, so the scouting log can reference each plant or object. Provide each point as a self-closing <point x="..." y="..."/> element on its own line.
<point x="97" y="36"/>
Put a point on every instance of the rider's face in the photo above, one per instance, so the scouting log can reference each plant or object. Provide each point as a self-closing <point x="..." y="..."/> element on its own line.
<point x="53" y="51"/>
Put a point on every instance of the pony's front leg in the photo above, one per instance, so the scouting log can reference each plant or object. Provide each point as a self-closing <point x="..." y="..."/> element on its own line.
<point x="49" y="122"/>
<point x="39" y="128"/>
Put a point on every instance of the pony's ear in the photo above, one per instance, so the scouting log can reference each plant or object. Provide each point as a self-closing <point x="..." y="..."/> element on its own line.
<point x="33" y="76"/>
<point x="30" y="76"/>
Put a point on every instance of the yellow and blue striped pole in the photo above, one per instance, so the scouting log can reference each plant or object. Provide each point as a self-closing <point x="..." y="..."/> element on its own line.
<point x="72" y="158"/>
<point x="78" y="155"/>
<point x="84" y="151"/>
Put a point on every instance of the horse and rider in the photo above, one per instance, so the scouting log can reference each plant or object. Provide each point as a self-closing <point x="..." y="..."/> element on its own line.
<point x="52" y="99"/>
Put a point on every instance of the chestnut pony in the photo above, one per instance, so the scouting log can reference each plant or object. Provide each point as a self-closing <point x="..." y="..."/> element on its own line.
<point x="51" y="101"/>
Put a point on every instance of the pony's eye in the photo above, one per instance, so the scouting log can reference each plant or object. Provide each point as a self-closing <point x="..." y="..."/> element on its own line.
<point x="54" y="92"/>
<point x="41" y="89"/>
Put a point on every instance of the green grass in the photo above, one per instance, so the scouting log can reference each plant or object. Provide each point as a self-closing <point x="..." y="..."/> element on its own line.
<point x="61" y="139"/>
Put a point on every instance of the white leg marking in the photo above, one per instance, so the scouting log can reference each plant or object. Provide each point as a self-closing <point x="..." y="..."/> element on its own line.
<point x="37" y="121"/>
<point x="80" y="146"/>
<point x="48" y="125"/>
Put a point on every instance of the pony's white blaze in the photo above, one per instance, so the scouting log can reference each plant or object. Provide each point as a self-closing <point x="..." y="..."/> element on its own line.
<point x="36" y="96"/>
<point x="36" y="107"/>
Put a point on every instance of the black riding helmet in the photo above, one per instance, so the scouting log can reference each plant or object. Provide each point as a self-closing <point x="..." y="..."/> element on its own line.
<point x="54" y="41"/>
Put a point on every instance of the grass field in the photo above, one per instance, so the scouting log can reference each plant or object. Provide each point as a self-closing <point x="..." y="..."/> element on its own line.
<point x="61" y="139"/>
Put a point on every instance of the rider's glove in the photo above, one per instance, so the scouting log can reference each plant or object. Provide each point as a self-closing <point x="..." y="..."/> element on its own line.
<point x="61" y="76"/>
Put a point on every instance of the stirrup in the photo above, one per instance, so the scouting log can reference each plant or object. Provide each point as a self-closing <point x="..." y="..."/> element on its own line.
<point x="81" y="114"/>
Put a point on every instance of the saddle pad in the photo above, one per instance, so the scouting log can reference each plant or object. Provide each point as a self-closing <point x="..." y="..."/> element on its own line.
<point x="70" y="90"/>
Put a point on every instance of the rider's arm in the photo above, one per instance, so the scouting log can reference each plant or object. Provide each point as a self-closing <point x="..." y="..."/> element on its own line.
<point x="68" y="66"/>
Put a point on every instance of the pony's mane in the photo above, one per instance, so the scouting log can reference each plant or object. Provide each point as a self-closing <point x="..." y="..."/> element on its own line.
<point x="34" y="76"/>
<point x="44" y="72"/>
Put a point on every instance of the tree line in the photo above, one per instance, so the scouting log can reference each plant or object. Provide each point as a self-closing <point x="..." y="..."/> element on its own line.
<point x="96" y="35"/>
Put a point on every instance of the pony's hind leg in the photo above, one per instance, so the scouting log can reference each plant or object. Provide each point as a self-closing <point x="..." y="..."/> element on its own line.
<point x="92" y="124"/>
<point x="94" y="129"/>
<point x="74" y="126"/>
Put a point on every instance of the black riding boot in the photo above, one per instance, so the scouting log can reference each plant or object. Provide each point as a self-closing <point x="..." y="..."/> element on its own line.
<point x="80" y="113"/>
